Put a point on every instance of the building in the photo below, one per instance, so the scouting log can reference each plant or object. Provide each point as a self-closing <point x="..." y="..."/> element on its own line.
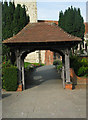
<point x="85" y="47"/>
<point x="86" y="31"/>
<point x="43" y="56"/>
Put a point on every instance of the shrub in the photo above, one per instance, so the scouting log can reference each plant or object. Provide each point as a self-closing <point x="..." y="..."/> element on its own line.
<point x="10" y="78"/>
<point x="59" y="67"/>
<point x="79" y="65"/>
<point x="84" y="62"/>
<point x="75" y="63"/>
<point x="41" y="64"/>
<point x="57" y="62"/>
<point x="6" y="64"/>
<point x="83" y="71"/>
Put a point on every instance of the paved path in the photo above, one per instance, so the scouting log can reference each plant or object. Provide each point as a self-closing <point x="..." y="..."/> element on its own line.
<point x="45" y="99"/>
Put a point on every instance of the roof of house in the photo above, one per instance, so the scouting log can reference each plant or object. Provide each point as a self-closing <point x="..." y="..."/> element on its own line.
<point x="41" y="32"/>
<point x="49" y="21"/>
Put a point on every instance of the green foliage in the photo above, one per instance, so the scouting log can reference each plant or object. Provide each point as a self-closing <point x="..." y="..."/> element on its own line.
<point x="7" y="18"/>
<point x="38" y="64"/>
<point x="59" y="67"/>
<point x="6" y="64"/>
<point x="83" y="71"/>
<point x="79" y="65"/>
<point x="57" y="62"/>
<point x="72" y="22"/>
<point x="13" y="20"/>
<point x="41" y="64"/>
<point x="5" y="52"/>
<point x="10" y="78"/>
<point x="20" y="19"/>
<point x="30" y="65"/>
<point x="84" y="62"/>
<point x="75" y="63"/>
<point x="26" y="64"/>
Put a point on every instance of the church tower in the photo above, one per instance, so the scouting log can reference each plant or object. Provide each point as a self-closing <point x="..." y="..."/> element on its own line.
<point x="31" y="8"/>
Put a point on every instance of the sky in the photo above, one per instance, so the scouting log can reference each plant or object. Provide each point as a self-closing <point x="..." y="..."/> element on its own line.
<point x="49" y="9"/>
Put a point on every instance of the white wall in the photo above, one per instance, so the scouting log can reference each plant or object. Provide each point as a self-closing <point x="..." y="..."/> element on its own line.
<point x="31" y="8"/>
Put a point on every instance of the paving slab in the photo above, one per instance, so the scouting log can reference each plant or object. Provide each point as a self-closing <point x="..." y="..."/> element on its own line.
<point x="44" y="98"/>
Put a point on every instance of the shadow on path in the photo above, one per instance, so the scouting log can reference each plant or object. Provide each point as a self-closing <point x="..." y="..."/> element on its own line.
<point x="5" y="95"/>
<point x="40" y="75"/>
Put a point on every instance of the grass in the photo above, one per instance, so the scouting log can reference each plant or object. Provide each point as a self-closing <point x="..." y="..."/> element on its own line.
<point x="26" y="64"/>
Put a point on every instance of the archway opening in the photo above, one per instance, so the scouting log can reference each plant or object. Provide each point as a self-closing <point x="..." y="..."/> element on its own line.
<point x="37" y="76"/>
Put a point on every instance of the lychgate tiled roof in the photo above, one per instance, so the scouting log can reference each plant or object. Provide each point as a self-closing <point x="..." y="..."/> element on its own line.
<point x="41" y="32"/>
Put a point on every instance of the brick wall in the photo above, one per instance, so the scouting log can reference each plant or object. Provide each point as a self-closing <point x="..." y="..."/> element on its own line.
<point x="86" y="27"/>
<point x="48" y="57"/>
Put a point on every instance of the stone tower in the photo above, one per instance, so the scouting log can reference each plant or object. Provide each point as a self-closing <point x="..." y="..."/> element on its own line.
<point x="31" y="8"/>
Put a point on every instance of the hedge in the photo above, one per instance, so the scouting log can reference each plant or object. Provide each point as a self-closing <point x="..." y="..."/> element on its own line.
<point x="10" y="78"/>
<point x="79" y="65"/>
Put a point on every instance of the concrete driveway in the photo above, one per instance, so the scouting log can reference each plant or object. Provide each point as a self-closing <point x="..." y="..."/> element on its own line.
<point x="44" y="98"/>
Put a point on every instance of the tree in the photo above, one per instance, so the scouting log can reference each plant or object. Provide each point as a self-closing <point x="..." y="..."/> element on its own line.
<point x="20" y="18"/>
<point x="61" y="19"/>
<point x="16" y="18"/>
<point x="13" y="20"/>
<point x="72" y="22"/>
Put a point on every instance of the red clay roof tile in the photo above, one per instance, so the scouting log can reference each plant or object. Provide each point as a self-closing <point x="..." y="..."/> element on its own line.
<point x="41" y="32"/>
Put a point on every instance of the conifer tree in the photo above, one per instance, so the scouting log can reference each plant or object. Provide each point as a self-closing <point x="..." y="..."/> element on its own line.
<point x="72" y="22"/>
<point x="13" y="20"/>
<point x="61" y="19"/>
<point x="16" y="18"/>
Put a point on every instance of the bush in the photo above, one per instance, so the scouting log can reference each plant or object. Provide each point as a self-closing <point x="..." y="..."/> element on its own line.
<point x="10" y="78"/>
<point x="75" y="63"/>
<point x="84" y="62"/>
<point x="59" y="67"/>
<point x="79" y="65"/>
<point x="6" y="64"/>
<point x="41" y="64"/>
<point x="57" y="62"/>
<point x="83" y="71"/>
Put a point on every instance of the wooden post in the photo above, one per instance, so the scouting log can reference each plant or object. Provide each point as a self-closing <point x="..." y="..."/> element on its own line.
<point x="19" y="68"/>
<point x="63" y="71"/>
<point x="68" y="84"/>
<point x="23" y="80"/>
<point x="67" y="66"/>
<point x="63" y="76"/>
<point x="18" y="57"/>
